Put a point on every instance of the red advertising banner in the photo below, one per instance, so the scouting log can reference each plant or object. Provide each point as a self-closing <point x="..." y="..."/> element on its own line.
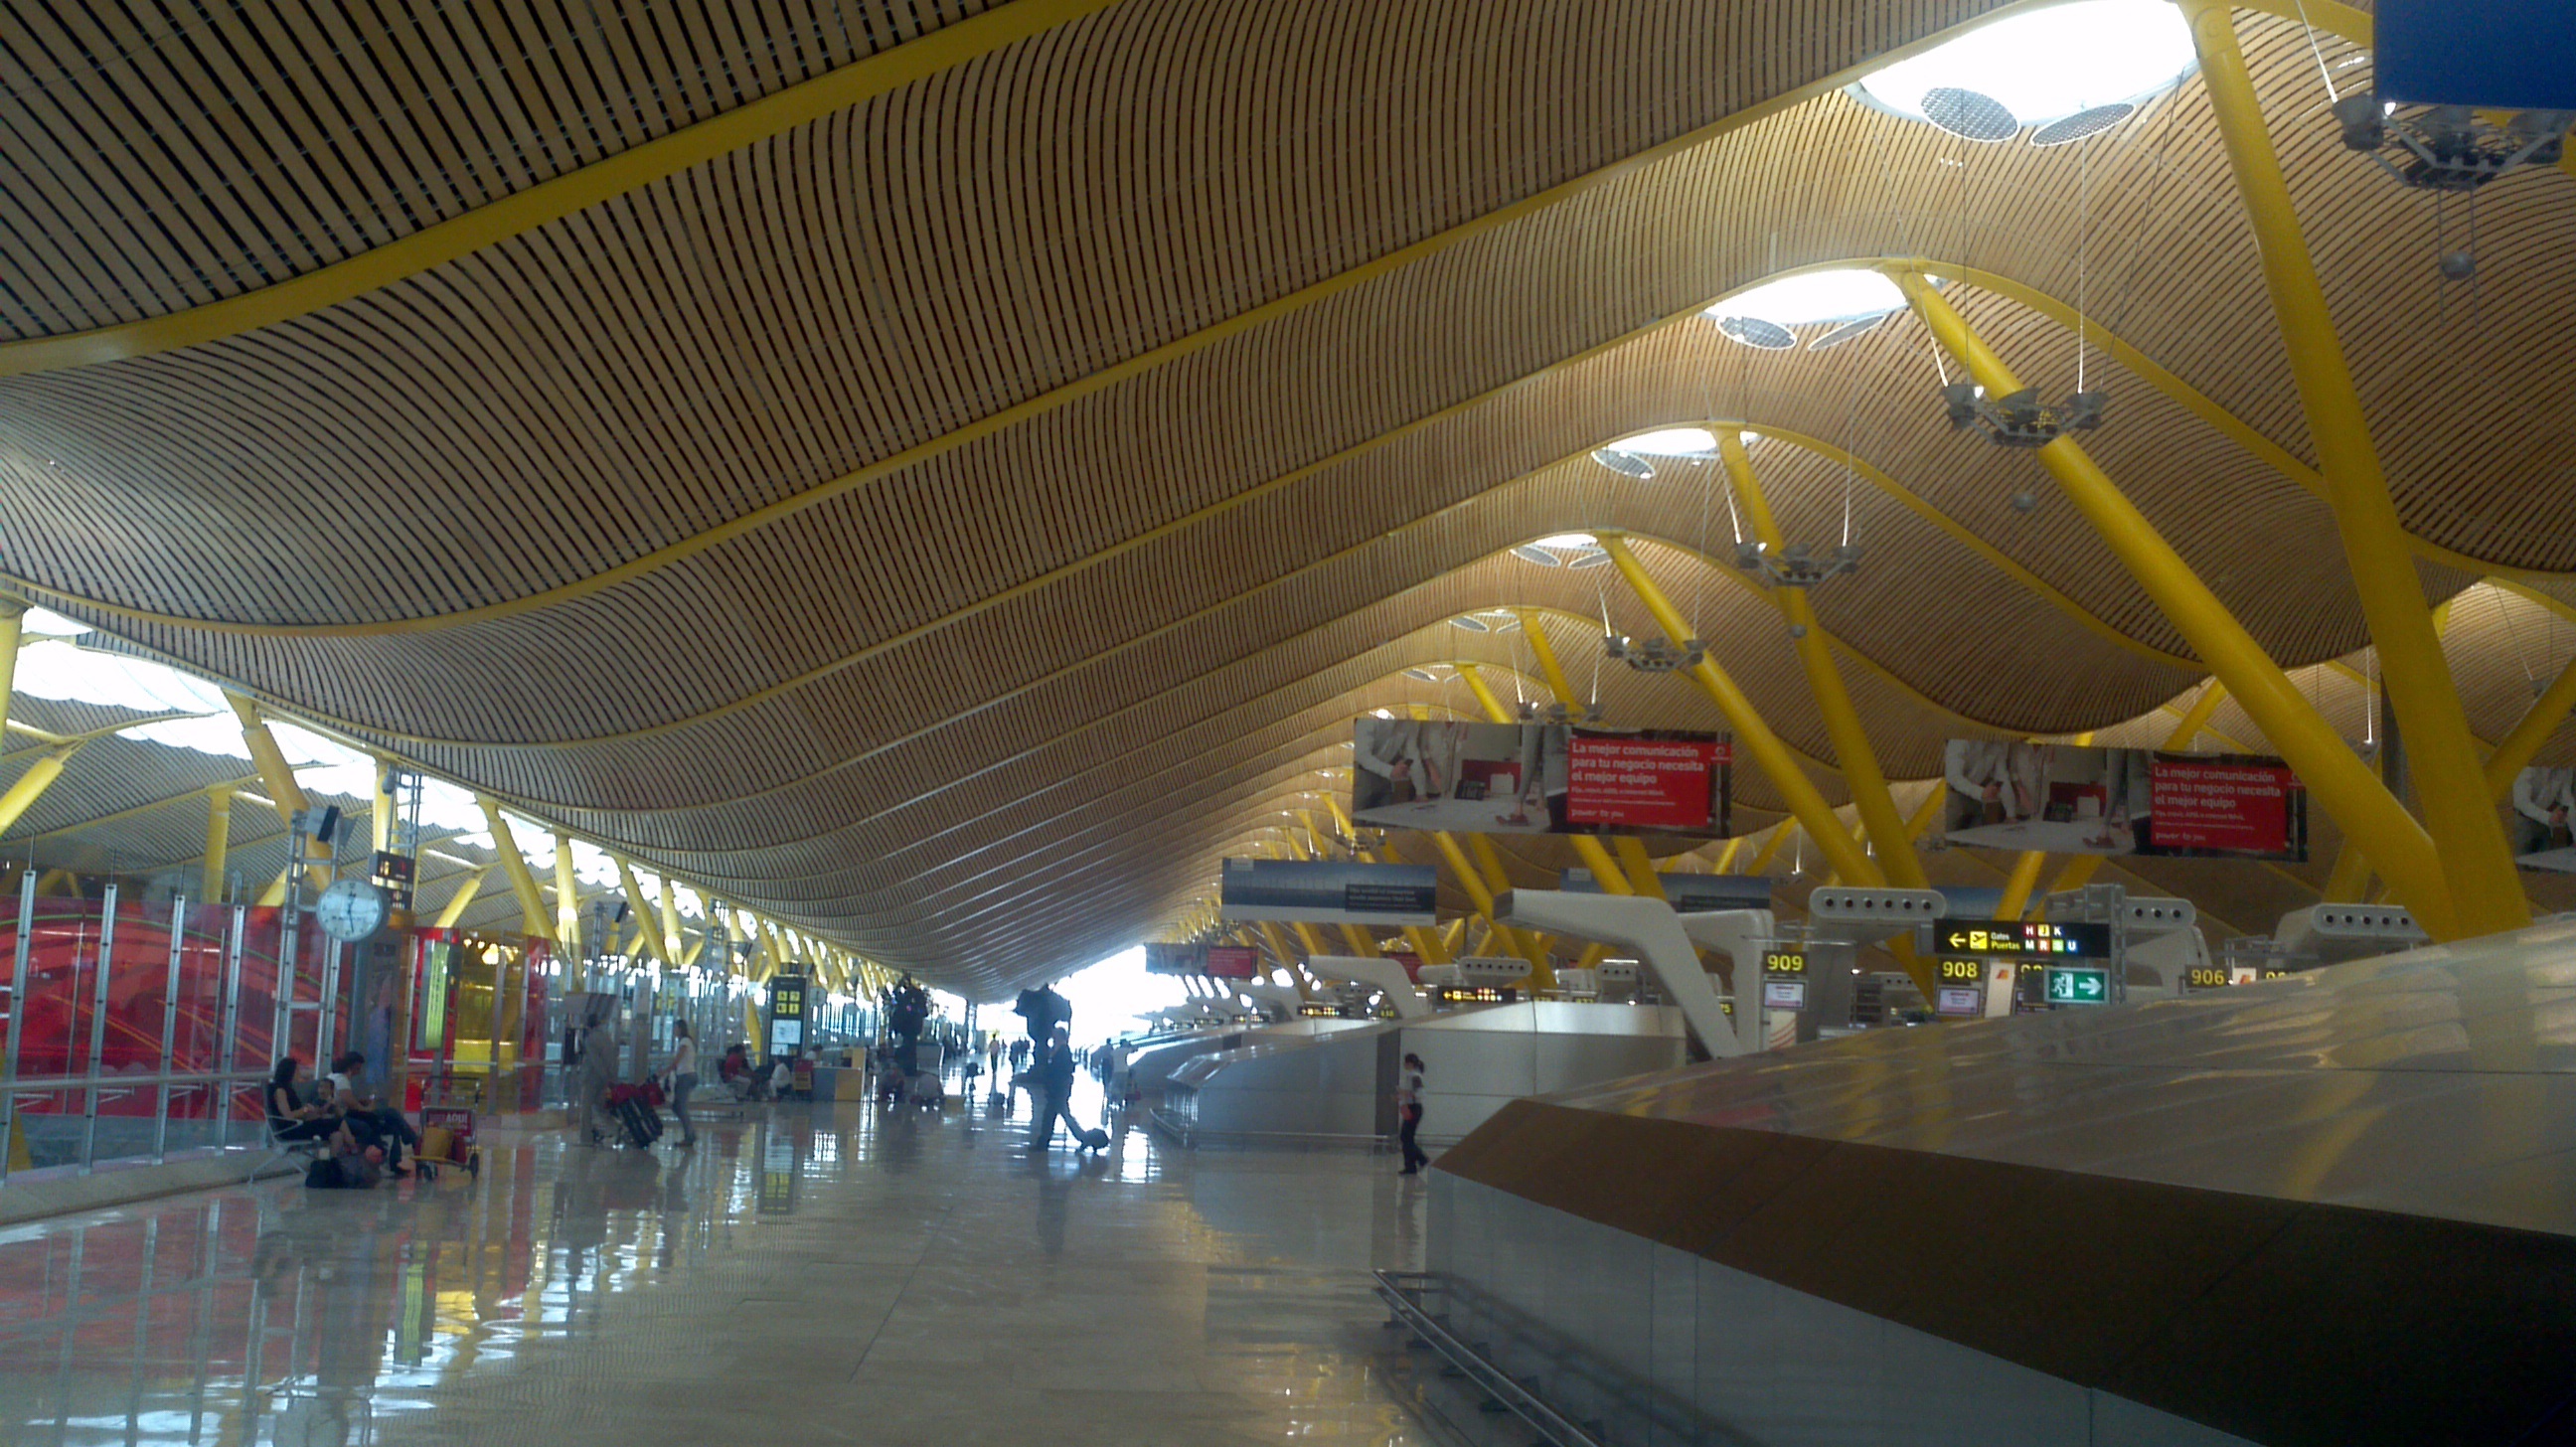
<point x="1233" y="962"/>
<point x="2232" y="806"/>
<point x="1644" y="782"/>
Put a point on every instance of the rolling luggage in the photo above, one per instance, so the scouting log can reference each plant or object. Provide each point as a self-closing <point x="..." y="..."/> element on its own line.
<point x="638" y="1121"/>
<point x="1094" y="1139"/>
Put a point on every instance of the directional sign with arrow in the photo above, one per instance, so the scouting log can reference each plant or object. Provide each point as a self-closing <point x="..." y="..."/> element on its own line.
<point x="2078" y="986"/>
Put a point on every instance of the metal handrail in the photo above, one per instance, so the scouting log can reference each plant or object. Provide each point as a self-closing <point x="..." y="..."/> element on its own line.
<point x="1402" y="1290"/>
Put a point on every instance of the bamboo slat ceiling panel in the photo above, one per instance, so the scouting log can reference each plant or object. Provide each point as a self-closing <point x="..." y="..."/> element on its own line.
<point x="949" y="521"/>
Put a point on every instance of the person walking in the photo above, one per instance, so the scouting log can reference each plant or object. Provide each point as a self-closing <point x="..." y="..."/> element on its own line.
<point x="682" y="1067"/>
<point x="1408" y="1110"/>
<point x="599" y="1046"/>
<point x="1055" y="1068"/>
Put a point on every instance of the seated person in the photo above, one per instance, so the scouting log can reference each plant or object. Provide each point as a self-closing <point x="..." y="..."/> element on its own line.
<point x="290" y="1119"/>
<point x="369" y="1119"/>
<point x="780" y="1078"/>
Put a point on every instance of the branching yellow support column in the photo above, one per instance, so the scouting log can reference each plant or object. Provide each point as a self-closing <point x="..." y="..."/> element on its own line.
<point x="1752" y="734"/>
<point x="2017" y="887"/>
<point x="645" y="921"/>
<point x="1852" y="752"/>
<point x="2329" y="768"/>
<point x="32" y="784"/>
<point x="1464" y="870"/>
<point x="2472" y="855"/>
<point x="567" y="895"/>
<point x="219" y="842"/>
<point x="1639" y="867"/>
<point x="523" y="882"/>
<point x="1548" y="666"/>
<point x="2514" y="751"/>
<point x="278" y="777"/>
<point x="463" y="897"/>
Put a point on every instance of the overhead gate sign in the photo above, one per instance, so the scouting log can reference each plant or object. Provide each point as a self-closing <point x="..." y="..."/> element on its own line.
<point x="1296" y="891"/>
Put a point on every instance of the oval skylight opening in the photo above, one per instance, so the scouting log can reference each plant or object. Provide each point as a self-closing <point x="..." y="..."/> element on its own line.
<point x="2045" y="65"/>
<point x="1669" y="442"/>
<point x="1565" y="541"/>
<point x="1809" y="298"/>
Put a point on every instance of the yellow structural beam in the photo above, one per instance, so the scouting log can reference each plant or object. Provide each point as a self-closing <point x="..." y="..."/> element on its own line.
<point x="1544" y="649"/>
<point x="2485" y="894"/>
<point x="458" y="902"/>
<point x="648" y="926"/>
<point x="2514" y="752"/>
<point x="1639" y="867"/>
<point x="32" y="784"/>
<point x="514" y="866"/>
<point x="2018" y="885"/>
<point x="567" y="894"/>
<point x="278" y="777"/>
<point x="1853" y="755"/>
<point x="2333" y="774"/>
<point x="13" y="631"/>
<point x="670" y="919"/>
<point x="1753" y="735"/>
<point x="1426" y="942"/>
<point x="1771" y="847"/>
<point x="219" y="840"/>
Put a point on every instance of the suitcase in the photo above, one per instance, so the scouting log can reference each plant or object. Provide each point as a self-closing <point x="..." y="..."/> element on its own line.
<point x="1094" y="1139"/>
<point x="642" y="1123"/>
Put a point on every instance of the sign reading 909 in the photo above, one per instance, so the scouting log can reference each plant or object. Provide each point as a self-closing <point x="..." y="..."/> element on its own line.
<point x="1784" y="962"/>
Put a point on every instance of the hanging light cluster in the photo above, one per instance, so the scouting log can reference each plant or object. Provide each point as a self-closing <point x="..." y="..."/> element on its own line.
<point x="2021" y="419"/>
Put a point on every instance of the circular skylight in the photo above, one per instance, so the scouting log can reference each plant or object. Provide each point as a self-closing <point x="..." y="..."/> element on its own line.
<point x="1565" y="541"/>
<point x="2044" y="65"/>
<point x="1668" y="442"/>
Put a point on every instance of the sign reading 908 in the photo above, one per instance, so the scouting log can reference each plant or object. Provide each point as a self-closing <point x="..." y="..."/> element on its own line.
<point x="1962" y="972"/>
<point x="1784" y="962"/>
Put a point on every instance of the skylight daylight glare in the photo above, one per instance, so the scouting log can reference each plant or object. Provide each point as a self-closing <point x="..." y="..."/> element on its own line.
<point x="1669" y="442"/>
<point x="2047" y="64"/>
<point x="1812" y="297"/>
<point x="1564" y="541"/>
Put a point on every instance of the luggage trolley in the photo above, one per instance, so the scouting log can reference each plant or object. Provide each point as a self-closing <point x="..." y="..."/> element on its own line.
<point x="447" y="1103"/>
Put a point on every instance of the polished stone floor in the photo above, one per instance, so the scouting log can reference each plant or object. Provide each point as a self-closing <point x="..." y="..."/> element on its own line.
<point x="808" y="1273"/>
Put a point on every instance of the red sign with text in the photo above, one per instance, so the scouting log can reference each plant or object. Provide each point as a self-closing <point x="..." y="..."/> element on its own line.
<point x="2234" y="806"/>
<point x="1643" y="782"/>
<point x="1233" y="962"/>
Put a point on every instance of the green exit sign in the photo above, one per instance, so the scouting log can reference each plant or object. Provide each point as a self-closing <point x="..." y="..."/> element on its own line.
<point x="2069" y="985"/>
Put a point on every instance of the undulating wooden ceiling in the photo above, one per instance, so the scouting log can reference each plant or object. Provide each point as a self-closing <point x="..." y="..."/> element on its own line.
<point x="943" y="473"/>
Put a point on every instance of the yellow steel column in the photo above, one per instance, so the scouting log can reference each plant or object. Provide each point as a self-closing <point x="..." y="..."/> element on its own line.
<point x="523" y="882"/>
<point x="649" y="926"/>
<point x="13" y="631"/>
<point x="2514" y="752"/>
<point x="1482" y="897"/>
<point x="2472" y="856"/>
<point x="1358" y="938"/>
<point x="670" y="919"/>
<point x="32" y="784"/>
<point x="278" y="776"/>
<point x="1752" y="734"/>
<point x="2017" y="887"/>
<point x="1852" y="752"/>
<point x="567" y="894"/>
<point x="1426" y="944"/>
<point x="219" y="840"/>
<point x="1639" y="866"/>
<point x="1770" y="849"/>
<point x="380" y="813"/>
<point x="464" y="896"/>
<point x="1548" y="667"/>
<point x="1726" y="856"/>
<point x="2329" y="768"/>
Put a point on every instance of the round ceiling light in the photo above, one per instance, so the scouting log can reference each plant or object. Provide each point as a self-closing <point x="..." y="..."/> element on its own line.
<point x="2041" y="66"/>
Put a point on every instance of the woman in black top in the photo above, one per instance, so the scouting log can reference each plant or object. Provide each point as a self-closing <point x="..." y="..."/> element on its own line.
<point x="290" y="1119"/>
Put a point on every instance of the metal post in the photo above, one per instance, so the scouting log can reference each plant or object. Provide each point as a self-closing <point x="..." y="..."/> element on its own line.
<point x="169" y="1026"/>
<point x="227" y="1046"/>
<point x="325" y="1038"/>
<point x="98" y="1029"/>
<point x="290" y="917"/>
<point x="17" y="1016"/>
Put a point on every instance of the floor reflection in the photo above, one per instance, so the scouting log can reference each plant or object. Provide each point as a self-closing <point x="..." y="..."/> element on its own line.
<point x="916" y="1270"/>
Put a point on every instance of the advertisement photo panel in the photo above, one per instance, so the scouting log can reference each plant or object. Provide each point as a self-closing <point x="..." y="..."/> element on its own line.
<point x="1538" y="778"/>
<point x="2538" y="810"/>
<point x="2064" y="799"/>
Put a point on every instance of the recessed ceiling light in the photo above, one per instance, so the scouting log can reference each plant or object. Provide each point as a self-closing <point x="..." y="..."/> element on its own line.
<point x="2042" y="65"/>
